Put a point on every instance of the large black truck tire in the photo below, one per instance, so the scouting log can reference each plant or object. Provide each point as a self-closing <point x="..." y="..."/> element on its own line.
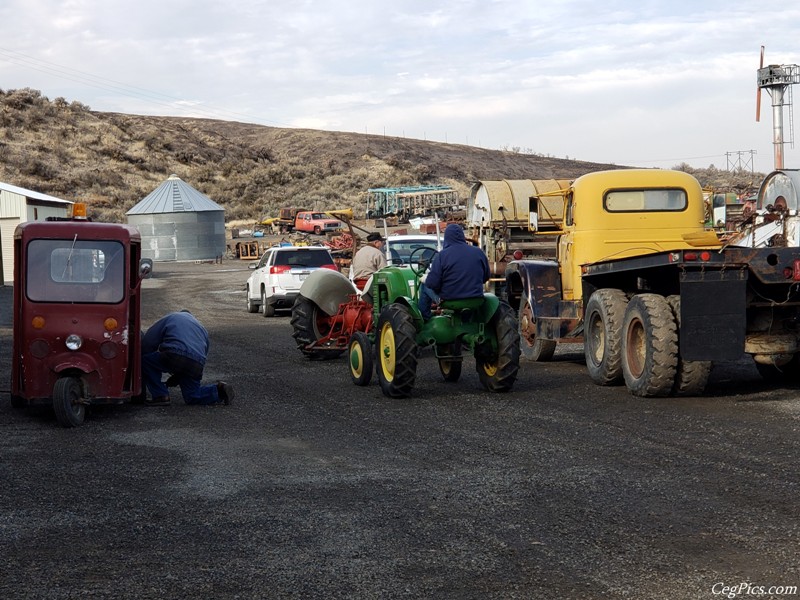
<point x="691" y="376"/>
<point x="397" y="351"/>
<point x="310" y="324"/>
<point x="498" y="371"/>
<point x="649" y="346"/>
<point x="533" y="347"/>
<point x="602" y="336"/>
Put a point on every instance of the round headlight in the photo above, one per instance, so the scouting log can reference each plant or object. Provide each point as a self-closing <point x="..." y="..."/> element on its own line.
<point x="74" y="342"/>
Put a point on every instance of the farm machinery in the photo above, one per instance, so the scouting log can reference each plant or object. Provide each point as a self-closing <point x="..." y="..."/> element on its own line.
<point x="382" y="328"/>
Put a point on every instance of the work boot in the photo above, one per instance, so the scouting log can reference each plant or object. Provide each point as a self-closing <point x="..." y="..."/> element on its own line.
<point x="225" y="392"/>
<point x="157" y="401"/>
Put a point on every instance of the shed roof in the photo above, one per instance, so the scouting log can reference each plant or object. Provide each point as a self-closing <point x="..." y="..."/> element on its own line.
<point x="30" y="194"/>
<point x="174" y="195"/>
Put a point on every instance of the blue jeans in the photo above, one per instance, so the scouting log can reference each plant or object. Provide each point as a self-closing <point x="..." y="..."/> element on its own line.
<point x="193" y="391"/>
<point x="426" y="297"/>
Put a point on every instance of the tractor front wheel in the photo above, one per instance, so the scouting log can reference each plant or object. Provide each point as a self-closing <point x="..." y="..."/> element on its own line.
<point x="450" y="361"/>
<point x="310" y="324"/>
<point x="498" y="369"/>
<point x="360" y="354"/>
<point x="396" y="361"/>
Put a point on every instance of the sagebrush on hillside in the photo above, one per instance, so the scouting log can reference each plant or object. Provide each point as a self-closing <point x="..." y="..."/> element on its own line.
<point x="113" y="160"/>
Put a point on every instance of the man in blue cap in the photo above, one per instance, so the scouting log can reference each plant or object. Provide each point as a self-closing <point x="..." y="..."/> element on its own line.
<point x="458" y="271"/>
<point x="178" y="344"/>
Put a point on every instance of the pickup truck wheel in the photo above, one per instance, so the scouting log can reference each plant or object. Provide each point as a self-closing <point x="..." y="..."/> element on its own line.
<point x="396" y="360"/>
<point x="602" y="338"/>
<point x="533" y="347"/>
<point x="68" y="402"/>
<point x="691" y="376"/>
<point x="310" y="324"/>
<point x="361" y="361"/>
<point x="252" y="307"/>
<point x="498" y="371"/>
<point x="649" y="346"/>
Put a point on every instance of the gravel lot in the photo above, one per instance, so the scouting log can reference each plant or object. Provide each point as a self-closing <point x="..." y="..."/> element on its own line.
<point x="310" y="487"/>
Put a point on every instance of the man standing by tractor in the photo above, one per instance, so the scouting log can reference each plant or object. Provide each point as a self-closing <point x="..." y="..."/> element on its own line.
<point x="178" y="344"/>
<point x="457" y="272"/>
<point x="368" y="259"/>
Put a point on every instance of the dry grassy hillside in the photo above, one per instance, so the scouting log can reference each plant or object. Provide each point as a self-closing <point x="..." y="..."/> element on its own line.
<point x="113" y="160"/>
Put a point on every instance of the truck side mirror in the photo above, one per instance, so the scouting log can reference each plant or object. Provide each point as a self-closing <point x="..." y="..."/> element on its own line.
<point x="145" y="268"/>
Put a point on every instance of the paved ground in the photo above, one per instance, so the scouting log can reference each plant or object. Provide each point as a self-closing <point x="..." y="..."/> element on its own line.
<point x="309" y="487"/>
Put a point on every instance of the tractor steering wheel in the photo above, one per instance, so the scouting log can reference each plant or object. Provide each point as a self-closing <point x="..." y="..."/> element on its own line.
<point x="420" y="259"/>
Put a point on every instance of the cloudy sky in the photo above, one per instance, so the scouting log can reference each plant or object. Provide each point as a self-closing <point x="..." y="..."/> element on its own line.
<point x="633" y="82"/>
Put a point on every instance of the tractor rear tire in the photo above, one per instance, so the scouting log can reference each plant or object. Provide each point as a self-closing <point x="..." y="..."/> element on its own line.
<point x="602" y="337"/>
<point x="310" y="324"/>
<point x="498" y="370"/>
<point x="691" y="376"/>
<point x="450" y="368"/>
<point x="397" y="351"/>
<point x="361" y="360"/>
<point x="533" y="347"/>
<point x="649" y="346"/>
<point x="68" y="402"/>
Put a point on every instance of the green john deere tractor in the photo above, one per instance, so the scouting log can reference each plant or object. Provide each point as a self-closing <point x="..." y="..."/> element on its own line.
<point x="484" y="327"/>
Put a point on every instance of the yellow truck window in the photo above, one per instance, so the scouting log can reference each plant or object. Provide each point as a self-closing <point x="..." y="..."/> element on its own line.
<point x="645" y="200"/>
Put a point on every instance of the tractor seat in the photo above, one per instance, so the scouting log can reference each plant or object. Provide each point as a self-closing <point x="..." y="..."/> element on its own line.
<point x="462" y="304"/>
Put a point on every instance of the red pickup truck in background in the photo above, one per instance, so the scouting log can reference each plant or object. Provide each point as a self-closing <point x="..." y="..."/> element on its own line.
<point x="307" y="221"/>
<point x="315" y="222"/>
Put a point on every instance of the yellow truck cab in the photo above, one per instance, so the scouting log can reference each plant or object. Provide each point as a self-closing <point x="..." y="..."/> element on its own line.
<point x="610" y="215"/>
<point x="653" y="295"/>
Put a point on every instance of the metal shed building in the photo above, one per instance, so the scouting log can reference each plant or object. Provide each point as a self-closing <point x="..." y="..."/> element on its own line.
<point x="18" y="205"/>
<point x="179" y="223"/>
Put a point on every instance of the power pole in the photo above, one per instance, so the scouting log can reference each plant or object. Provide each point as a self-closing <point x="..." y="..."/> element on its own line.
<point x="740" y="160"/>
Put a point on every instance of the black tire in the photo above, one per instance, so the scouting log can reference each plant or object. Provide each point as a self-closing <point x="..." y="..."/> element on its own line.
<point x="252" y="307"/>
<point x="533" y="347"/>
<point x="18" y="402"/>
<point x="317" y="230"/>
<point x="68" y="402"/>
<point x="602" y="335"/>
<point x="649" y="346"/>
<point x="498" y="370"/>
<point x="267" y="309"/>
<point x="450" y="368"/>
<point x="691" y="376"/>
<point x="360" y="358"/>
<point x="310" y="324"/>
<point x="396" y="351"/>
